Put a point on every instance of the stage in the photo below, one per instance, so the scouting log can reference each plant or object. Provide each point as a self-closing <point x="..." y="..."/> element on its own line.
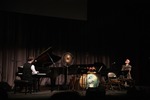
<point x="46" y="94"/>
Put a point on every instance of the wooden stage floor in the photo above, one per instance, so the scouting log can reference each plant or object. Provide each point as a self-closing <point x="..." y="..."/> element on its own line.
<point x="46" y="94"/>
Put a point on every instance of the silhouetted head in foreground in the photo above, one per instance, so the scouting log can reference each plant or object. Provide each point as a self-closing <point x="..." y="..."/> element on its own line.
<point x="66" y="95"/>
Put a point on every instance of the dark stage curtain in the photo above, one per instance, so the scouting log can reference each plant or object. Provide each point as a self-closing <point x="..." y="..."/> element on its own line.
<point x="23" y="35"/>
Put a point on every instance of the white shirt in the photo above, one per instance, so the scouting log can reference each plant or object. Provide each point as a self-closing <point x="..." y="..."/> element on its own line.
<point x="33" y="70"/>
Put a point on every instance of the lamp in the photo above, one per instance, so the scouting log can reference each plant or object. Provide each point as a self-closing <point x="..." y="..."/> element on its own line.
<point x="67" y="60"/>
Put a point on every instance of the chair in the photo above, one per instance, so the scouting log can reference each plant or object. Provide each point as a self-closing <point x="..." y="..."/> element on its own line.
<point x="114" y="81"/>
<point x="22" y="84"/>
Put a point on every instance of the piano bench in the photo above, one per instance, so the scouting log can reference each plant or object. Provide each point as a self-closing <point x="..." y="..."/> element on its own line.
<point x="19" y="85"/>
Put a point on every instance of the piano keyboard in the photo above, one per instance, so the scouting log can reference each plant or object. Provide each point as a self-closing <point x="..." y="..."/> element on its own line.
<point x="34" y="74"/>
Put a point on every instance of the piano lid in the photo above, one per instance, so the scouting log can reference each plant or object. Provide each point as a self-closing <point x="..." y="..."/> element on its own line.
<point x="46" y="58"/>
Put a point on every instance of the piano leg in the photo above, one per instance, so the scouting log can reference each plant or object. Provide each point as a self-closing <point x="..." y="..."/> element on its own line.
<point x="53" y="83"/>
<point x="36" y="84"/>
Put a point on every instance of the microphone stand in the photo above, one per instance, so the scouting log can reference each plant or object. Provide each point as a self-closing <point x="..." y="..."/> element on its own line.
<point x="66" y="75"/>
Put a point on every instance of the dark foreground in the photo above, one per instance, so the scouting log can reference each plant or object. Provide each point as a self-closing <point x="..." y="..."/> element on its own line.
<point x="138" y="92"/>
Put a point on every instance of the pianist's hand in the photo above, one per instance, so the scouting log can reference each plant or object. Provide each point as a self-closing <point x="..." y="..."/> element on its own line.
<point x="37" y="72"/>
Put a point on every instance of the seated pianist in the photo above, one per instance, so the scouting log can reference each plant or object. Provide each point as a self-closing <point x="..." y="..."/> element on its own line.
<point x="42" y="63"/>
<point x="28" y="70"/>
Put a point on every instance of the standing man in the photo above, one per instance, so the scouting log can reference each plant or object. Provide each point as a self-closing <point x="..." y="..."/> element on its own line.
<point x="127" y="69"/>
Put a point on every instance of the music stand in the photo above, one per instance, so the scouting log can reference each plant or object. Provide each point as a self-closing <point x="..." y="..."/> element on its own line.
<point x="124" y="73"/>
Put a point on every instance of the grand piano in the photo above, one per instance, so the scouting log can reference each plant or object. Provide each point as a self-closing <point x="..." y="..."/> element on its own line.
<point x="45" y="64"/>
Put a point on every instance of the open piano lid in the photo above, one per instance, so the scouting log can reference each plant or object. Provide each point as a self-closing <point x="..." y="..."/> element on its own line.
<point x="46" y="58"/>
